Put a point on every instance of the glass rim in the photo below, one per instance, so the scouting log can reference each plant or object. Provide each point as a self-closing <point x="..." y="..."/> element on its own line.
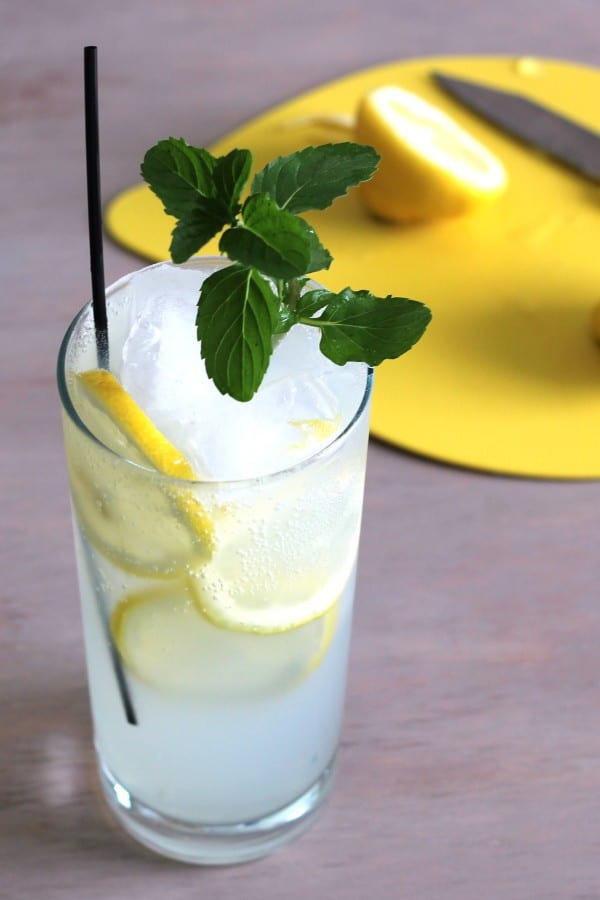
<point x="69" y="408"/>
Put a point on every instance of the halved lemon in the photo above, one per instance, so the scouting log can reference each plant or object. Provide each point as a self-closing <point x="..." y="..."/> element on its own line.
<point x="430" y="166"/>
<point x="142" y="524"/>
<point x="166" y="642"/>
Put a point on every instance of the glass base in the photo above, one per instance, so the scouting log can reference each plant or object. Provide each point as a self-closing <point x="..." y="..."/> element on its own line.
<point x="214" y="845"/>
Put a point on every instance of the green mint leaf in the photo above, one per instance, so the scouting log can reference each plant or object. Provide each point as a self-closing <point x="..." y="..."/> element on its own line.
<point x="312" y="178"/>
<point x="320" y="257"/>
<point x="197" y="227"/>
<point x="357" y="326"/>
<point x="312" y="301"/>
<point x="272" y="249"/>
<point x="178" y="174"/>
<point x="236" y="318"/>
<point x="230" y="175"/>
<point x="286" y="318"/>
<point x="275" y="242"/>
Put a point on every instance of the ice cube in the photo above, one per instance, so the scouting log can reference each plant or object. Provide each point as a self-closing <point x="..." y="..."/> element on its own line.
<point x="303" y="400"/>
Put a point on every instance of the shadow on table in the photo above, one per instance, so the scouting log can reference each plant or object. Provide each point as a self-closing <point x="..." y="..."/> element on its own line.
<point x="49" y="795"/>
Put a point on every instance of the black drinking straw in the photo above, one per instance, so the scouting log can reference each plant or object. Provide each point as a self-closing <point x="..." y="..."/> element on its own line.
<point x="92" y="156"/>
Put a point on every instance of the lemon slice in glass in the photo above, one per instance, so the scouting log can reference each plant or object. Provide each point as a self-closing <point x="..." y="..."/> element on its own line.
<point x="314" y="431"/>
<point x="287" y="554"/>
<point x="285" y="601"/>
<point x="165" y="641"/>
<point x="143" y="524"/>
<point x="430" y="166"/>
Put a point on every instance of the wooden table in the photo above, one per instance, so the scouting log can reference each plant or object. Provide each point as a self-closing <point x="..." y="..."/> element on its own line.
<point x="470" y="764"/>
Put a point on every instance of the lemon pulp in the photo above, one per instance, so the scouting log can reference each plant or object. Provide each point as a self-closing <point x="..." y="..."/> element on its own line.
<point x="430" y="166"/>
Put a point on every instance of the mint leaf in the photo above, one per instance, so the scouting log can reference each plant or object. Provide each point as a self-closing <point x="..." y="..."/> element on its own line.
<point x="230" y="175"/>
<point x="178" y="174"/>
<point x="237" y="315"/>
<point x="320" y="257"/>
<point x="357" y="326"/>
<point x="286" y="318"/>
<point x="277" y="243"/>
<point x="312" y="178"/>
<point x="197" y="227"/>
<point x="198" y="189"/>
<point x="312" y="301"/>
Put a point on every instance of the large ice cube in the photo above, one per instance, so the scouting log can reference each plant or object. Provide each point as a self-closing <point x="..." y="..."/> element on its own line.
<point x="303" y="400"/>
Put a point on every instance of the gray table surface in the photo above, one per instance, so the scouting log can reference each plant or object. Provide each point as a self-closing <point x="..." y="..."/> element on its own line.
<point x="470" y="764"/>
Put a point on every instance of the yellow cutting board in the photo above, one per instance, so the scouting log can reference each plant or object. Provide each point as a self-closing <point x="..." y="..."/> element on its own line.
<point x="507" y="378"/>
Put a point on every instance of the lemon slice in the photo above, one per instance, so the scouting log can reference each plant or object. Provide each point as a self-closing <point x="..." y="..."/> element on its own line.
<point x="430" y="166"/>
<point x="141" y="524"/>
<point x="314" y="431"/>
<point x="165" y="641"/>
<point x="287" y="554"/>
<point x="269" y="606"/>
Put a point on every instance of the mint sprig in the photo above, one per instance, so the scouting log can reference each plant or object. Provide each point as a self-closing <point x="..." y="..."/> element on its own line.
<point x="273" y="250"/>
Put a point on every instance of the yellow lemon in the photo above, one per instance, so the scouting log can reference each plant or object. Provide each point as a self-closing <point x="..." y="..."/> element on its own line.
<point x="237" y="607"/>
<point x="430" y="166"/>
<point x="314" y="431"/>
<point x="143" y="524"/>
<point x="166" y="642"/>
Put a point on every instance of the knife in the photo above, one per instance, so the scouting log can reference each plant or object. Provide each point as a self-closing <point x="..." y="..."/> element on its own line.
<point x="532" y="123"/>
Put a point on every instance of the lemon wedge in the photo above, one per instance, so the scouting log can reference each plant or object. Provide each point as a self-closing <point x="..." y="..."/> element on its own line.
<point x="143" y="524"/>
<point x="430" y="166"/>
<point x="165" y="641"/>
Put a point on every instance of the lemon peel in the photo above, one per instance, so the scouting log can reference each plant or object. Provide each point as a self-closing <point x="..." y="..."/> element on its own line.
<point x="140" y="432"/>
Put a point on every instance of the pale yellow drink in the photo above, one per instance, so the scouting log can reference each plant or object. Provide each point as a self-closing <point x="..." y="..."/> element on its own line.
<point x="217" y="606"/>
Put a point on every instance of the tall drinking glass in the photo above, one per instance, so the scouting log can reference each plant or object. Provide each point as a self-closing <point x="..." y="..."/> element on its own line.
<point x="216" y="611"/>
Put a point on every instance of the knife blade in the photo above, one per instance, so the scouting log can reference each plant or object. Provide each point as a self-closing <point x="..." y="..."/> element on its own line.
<point x="531" y="122"/>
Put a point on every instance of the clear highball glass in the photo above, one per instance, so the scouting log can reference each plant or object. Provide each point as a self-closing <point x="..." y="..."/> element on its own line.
<point x="215" y="741"/>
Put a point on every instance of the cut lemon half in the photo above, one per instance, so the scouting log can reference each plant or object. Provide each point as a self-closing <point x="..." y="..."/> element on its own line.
<point x="143" y="525"/>
<point x="430" y="166"/>
<point x="165" y="641"/>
